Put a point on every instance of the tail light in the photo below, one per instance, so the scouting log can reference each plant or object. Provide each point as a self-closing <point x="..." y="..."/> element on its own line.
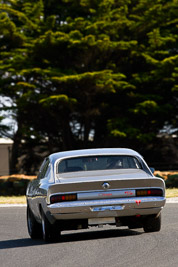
<point x="63" y="198"/>
<point x="149" y="192"/>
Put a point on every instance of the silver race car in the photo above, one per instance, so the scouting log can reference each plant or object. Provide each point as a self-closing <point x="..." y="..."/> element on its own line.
<point x="92" y="187"/>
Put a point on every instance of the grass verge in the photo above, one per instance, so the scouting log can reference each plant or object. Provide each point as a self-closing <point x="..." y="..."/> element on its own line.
<point x="173" y="192"/>
<point x="12" y="199"/>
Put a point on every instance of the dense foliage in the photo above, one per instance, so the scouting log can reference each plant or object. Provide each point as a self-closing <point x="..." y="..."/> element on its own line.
<point x="88" y="73"/>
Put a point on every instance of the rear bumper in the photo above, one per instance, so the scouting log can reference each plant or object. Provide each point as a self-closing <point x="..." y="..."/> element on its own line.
<point x="117" y="207"/>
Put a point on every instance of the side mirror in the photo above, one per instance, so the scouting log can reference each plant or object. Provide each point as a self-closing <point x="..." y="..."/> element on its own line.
<point x="152" y="169"/>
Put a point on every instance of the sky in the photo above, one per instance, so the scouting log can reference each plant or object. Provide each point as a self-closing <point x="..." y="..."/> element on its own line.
<point x="8" y="119"/>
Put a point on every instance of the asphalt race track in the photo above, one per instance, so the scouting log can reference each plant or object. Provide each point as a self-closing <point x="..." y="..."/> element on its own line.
<point x="108" y="246"/>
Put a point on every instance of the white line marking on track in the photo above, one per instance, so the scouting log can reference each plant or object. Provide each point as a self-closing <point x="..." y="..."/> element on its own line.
<point x="12" y="205"/>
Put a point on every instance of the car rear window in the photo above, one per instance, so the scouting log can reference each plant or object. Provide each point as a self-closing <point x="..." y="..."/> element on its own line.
<point x="91" y="163"/>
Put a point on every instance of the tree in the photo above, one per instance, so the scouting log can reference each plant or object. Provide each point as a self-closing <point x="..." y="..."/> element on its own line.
<point x="89" y="73"/>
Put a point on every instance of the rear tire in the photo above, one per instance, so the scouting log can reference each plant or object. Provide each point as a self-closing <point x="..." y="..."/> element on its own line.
<point x="152" y="224"/>
<point x="34" y="228"/>
<point x="49" y="231"/>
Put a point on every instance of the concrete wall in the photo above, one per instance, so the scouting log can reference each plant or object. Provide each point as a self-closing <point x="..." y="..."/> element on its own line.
<point x="5" y="152"/>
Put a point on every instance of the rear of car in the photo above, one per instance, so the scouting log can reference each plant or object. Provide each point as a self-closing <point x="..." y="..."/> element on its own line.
<point x="97" y="187"/>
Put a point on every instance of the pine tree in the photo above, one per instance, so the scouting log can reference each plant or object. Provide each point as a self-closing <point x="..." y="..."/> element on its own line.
<point x="89" y="73"/>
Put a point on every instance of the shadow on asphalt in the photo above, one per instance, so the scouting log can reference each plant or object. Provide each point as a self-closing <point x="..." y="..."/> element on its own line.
<point x="69" y="237"/>
<point x="73" y="237"/>
<point x="19" y="243"/>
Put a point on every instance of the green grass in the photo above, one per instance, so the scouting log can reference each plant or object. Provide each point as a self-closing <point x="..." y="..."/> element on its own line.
<point x="22" y="199"/>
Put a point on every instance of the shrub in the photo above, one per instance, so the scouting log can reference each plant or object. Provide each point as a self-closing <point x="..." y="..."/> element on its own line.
<point x="172" y="181"/>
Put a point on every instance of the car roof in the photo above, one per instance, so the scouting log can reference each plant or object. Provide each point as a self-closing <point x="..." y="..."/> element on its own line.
<point x="95" y="151"/>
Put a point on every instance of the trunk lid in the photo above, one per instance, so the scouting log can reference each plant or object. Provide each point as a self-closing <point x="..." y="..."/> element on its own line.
<point x="93" y="181"/>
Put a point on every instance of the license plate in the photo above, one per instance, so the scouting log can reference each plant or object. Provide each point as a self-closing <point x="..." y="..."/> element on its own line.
<point x="108" y="208"/>
<point x="95" y="221"/>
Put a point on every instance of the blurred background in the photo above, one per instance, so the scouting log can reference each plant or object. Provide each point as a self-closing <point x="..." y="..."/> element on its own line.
<point x="86" y="74"/>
